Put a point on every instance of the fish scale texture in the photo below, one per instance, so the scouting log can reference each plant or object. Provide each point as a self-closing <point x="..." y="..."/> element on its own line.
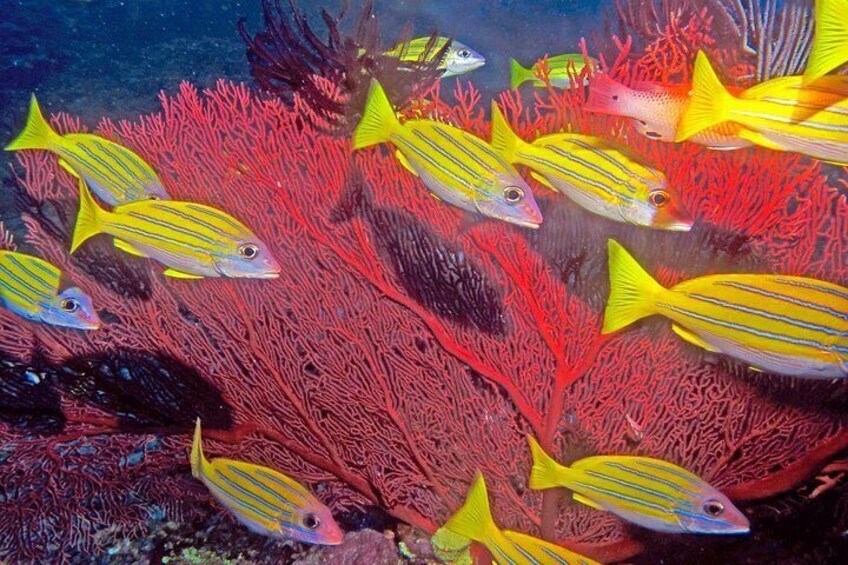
<point x="367" y="373"/>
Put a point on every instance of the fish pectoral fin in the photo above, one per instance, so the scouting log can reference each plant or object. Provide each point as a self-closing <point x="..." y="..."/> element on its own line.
<point x="690" y="337"/>
<point x="126" y="247"/>
<point x="760" y="140"/>
<point x="542" y="180"/>
<point x="583" y="500"/>
<point x="67" y="166"/>
<point x="405" y="162"/>
<point x="173" y="273"/>
<point x="756" y="370"/>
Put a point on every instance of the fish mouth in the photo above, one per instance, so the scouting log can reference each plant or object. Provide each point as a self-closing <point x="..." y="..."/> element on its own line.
<point x="525" y="223"/>
<point x="679" y="226"/>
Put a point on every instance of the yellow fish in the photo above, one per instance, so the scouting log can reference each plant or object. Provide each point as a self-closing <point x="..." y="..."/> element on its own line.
<point x="457" y="59"/>
<point x="774" y="323"/>
<point x="830" y="43"/>
<point x="649" y="492"/>
<point x="474" y="521"/>
<point x="559" y="68"/>
<point x="779" y="114"/>
<point x="32" y="288"/>
<point x="266" y="501"/>
<point x="596" y="176"/>
<point x="114" y="173"/>
<point x="192" y="240"/>
<point x="458" y="167"/>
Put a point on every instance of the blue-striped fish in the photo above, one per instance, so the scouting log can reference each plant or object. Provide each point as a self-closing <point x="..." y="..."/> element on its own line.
<point x="559" y="69"/>
<point x="775" y="323"/>
<point x="779" y="114"/>
<point x="457" y="59"/>
<point x="192" y="240"/>
<point x="595" y="175"/>
<point x="32" y="288"/>
<point x="458" y="167"/>
<point x="649" y="492"/>
<point x="114" y="173"/>
<point x="266" y="501"/>
<point x="474" y="521"/>
<point x="830" y="44"/>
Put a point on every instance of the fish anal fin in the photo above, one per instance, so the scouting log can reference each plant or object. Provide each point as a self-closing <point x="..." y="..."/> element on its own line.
<point x="405" y="162"/>
<point x="690" y="337"/>
<point x="67" y="166"/>
<point x="583" y="500"/>
<point x="759" y="140"/>
<point x="127" y="248"/>
<point x="173" y="273"/>
<point x="542" y="180"/>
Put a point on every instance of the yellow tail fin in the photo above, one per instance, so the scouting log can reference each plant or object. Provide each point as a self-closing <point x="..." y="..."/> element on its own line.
<point x="474" y="518"/>
<point x="518" y="75"/>
<point x="830" y="44"/>
<point x="632" y="290"/>
<point x="378" y="119"/>
<point x="198" y="460"/>
<point x="504" y="140"/>
<point x="709" y="102"/>
<point x="88" y="217"/>
<point x="37" y="133"/>
<point x="546" y="472"/>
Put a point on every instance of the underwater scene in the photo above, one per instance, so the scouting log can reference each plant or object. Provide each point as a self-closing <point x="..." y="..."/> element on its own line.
<point x="364" y="282"/>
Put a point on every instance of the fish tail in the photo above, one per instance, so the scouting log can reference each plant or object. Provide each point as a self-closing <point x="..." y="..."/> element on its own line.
<point x="89" y="217"/>
<point x="709" y="101"/>
<point x="198" y="459"/>
<point x="37" y="133"/>
<point x="830" y="44"/>
<point x="632" y="290"/>
<point x="474" y="518"/>
<point x="546" y="473"/>
<point x="504" y="140"/>
<point x="518" y="75"/>
<point x="605" y="95"/>
<point x="378" y="119"/>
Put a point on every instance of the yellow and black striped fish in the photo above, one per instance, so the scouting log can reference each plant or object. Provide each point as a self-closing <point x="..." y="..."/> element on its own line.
<point x="775" y="323"/>
<point x="266" y="501"/>
<point x="474" y="521"/>
<point x="192" y="240"/>
<point x="780" y="114"/>
<point x="598" y="177"/>
<point x="458" y="167"/>
<point x="456" y="60"/>
<point x="31" y="288"/>
<point x="114" y="173"/>
<point x="649" y="492"/>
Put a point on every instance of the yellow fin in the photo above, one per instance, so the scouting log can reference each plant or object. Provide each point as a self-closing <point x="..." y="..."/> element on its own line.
<point x="175" y="274"/>
<point x="518" y="75"/>
<point x="199" y="464"/>
<point x="545" y="472"/>
<point x="474" y="518"/>
<point x="126" y="247"/>
<point x="686" y="335"/>
<point x="378" y="119"/>
<point x="583" y="500"/>
<point x="632" y="290"/>
<point x="709" y="102"/>
<point x="542" y="180"/>
<point x="830" y="43"/>
<point x="755" y="369"/>
<point x="504" y="141"/>
<point x="37" y="133"/>
<point x="67" y="166"/>
<point x="759" y="139"/>
<point x="405" y="162"/>
<point x="89" y="217"/>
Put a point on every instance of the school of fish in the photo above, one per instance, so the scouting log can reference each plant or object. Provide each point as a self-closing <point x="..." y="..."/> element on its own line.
<point x="779" y="324"/>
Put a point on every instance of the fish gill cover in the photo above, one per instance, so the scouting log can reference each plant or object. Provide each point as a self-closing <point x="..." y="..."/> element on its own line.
<point x="383" y="391"/>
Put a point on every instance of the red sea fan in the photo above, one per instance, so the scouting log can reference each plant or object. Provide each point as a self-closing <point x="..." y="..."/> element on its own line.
<point x="399" y="350"/>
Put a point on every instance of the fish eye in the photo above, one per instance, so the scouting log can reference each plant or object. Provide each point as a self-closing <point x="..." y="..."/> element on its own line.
<point x="659" y="198"/>
<point x="464" y="53"/>
<point x="248" y="251"/>
<point x="69" y="305"/>
<point x="713" y="508"/>
<point x="513" y="195"/>
<point x="311" y="521"/>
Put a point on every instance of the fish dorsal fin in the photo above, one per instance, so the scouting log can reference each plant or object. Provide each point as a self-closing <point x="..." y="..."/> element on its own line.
<point x="173" y="273"/>
<point x="583" y="500"/>
<point x="127" y="248"/>
<point x="690" y="337"/>
<point x="405" y="162"/>
<point x="542" y="180"/>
